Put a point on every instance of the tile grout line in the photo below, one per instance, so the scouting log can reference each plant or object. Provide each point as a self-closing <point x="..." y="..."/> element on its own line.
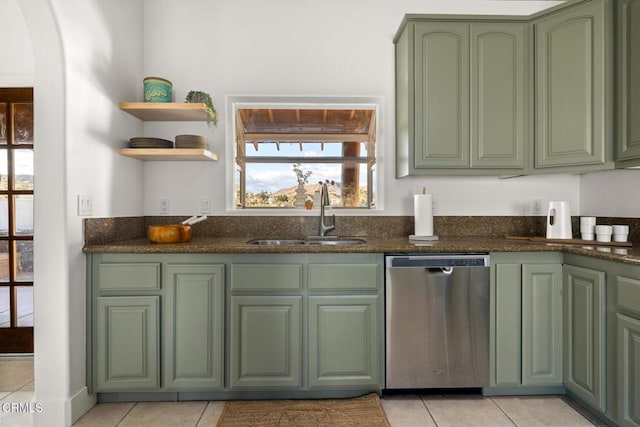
<point x="424" y="403"/>
<point x="503" y="411"/>
<point x="202" y="414"/>
<point x="127" y="414"/>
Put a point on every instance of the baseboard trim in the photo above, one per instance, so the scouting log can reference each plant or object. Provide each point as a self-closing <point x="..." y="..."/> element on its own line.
<point x="80" y="403"/>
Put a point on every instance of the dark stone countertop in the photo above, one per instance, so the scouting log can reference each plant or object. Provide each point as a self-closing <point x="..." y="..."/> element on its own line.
<point x="228" y="245"/>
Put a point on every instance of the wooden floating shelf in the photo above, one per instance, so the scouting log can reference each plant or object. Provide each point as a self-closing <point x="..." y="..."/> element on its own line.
<point x="166" y="111"/>
<point x="188" y="154"/>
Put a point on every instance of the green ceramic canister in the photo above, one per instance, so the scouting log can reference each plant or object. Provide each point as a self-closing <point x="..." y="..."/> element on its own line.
<point x="157" y="89"/>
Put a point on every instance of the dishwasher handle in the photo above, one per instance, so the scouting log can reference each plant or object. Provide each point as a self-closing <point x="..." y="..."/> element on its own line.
<point x="439" y="270"/>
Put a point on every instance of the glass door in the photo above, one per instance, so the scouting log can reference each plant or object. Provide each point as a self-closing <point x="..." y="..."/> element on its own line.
<point x="16" y="220"/>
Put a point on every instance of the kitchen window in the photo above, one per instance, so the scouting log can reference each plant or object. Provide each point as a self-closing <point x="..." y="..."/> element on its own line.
<point x="284" y="151"/>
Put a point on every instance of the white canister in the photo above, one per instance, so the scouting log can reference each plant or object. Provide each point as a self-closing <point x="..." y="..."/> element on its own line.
<point x="587" y="224"/>
<point x="620" y="233"/>
<point x="603" y="233"/>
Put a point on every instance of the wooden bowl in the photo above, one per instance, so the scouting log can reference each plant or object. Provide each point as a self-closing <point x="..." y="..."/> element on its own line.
<point x="177" y="233"/>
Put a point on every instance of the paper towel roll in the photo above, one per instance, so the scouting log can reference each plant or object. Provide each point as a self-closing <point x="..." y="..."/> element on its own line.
<point x="423" y="214"/>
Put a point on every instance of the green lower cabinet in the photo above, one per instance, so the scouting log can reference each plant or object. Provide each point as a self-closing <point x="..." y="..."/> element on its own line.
<point x="266" y="342"/>
<point x="194" y="328"/>
<point x="344" y="341"/>
<point x="628" y="338"/>
<point x="541" y="324"/>
<point x="127" y="343"/>
<point x="526" y="319"/>
<point x="585" y="335"/>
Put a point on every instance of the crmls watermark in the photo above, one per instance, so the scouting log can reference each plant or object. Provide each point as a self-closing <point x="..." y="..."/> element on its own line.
<point x="21" y="407"/>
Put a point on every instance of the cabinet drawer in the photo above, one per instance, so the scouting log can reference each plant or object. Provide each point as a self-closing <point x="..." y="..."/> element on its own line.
<point x="343" y="276"/>
<point x="628" y="291"/>
<point x="129" y="276"/>
<point x="266" y="277"/>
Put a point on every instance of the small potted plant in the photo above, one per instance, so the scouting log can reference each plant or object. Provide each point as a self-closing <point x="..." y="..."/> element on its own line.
<point x="308" y="203"/>
<point x="198" y="96"/>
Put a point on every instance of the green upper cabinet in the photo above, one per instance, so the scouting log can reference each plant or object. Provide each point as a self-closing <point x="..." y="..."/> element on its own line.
<point x="573" y="86"/>
<point x="461" y="93"/>
<point x="628" y="75"/>
<point x="441" y="95"/>
<point x="515" y="95"/>
<point x="499" y="95"/>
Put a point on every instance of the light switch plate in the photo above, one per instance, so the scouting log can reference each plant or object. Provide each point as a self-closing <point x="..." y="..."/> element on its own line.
<point x="85" y="205"/>
<point x="205" y="206"/>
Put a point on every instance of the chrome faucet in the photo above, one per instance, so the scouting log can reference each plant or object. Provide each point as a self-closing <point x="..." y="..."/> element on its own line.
<point x="324" y="201"/>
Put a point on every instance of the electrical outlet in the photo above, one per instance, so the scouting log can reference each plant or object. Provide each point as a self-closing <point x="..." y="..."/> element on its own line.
<point x="164" y="206"/>
<point x="85" y="205"/>
<point x="537" y="207"/>
<point x="434" y="206"/>
<point x="205" y="206"/>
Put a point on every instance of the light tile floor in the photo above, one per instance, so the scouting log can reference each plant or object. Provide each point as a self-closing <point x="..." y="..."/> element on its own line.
<point x="16" y="385"/>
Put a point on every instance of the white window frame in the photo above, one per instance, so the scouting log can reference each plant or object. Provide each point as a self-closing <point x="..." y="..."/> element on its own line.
<point x="234" y="102"/>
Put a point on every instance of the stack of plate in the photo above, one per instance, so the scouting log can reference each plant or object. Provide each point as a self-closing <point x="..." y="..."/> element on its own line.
<point x="143" y="142"/>
<point x="191" y="141"/>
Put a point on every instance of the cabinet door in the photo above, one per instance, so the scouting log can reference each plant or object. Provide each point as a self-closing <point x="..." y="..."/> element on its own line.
<point x="441" y="95"/>
<point x="541" y="324"/>
<point x="508" y="325"/>
<point x="499" y="94"/>
<point x="584" y="359"/>
<point x="193" y="318"/>
<point x="265" y="336"/>
<point x="127" y="347"/>
<point x="570" y="86"/>
<point x="344" y="341"/>
<point x="628" y="79"/>
<point x="628" y="370"/>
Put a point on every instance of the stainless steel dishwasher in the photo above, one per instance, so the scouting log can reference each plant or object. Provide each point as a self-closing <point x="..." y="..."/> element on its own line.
<point x="437" y="321"/>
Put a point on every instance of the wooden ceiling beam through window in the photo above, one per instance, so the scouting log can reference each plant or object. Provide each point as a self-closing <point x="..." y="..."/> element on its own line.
<point x="305" y="137"/>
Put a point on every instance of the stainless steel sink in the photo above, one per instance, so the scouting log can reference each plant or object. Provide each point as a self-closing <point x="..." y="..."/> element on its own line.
<point x="276" y="242"/>
<point x="318" y="242"/>
<point x="338" y="242"/>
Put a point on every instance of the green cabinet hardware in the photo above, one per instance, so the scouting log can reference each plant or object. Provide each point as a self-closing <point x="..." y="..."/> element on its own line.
<point x="461" y="96"/>
<point x="193" y="327"/>
<point x="628" y="79"/>
<point x="344" y="341"/>
<point x="572" y="82"/>
<point x="266" y="342"/>
<point x="127" y="343"/>
<point x="585" y="344"/>
<point x="526" y="323"/>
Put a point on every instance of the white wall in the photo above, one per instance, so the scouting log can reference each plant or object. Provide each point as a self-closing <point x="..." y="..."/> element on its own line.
<point x="612" y="193"/>
<point x="308" y="48"/>
<point x="78" y="130"/>
<point x="16" y="67"/>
